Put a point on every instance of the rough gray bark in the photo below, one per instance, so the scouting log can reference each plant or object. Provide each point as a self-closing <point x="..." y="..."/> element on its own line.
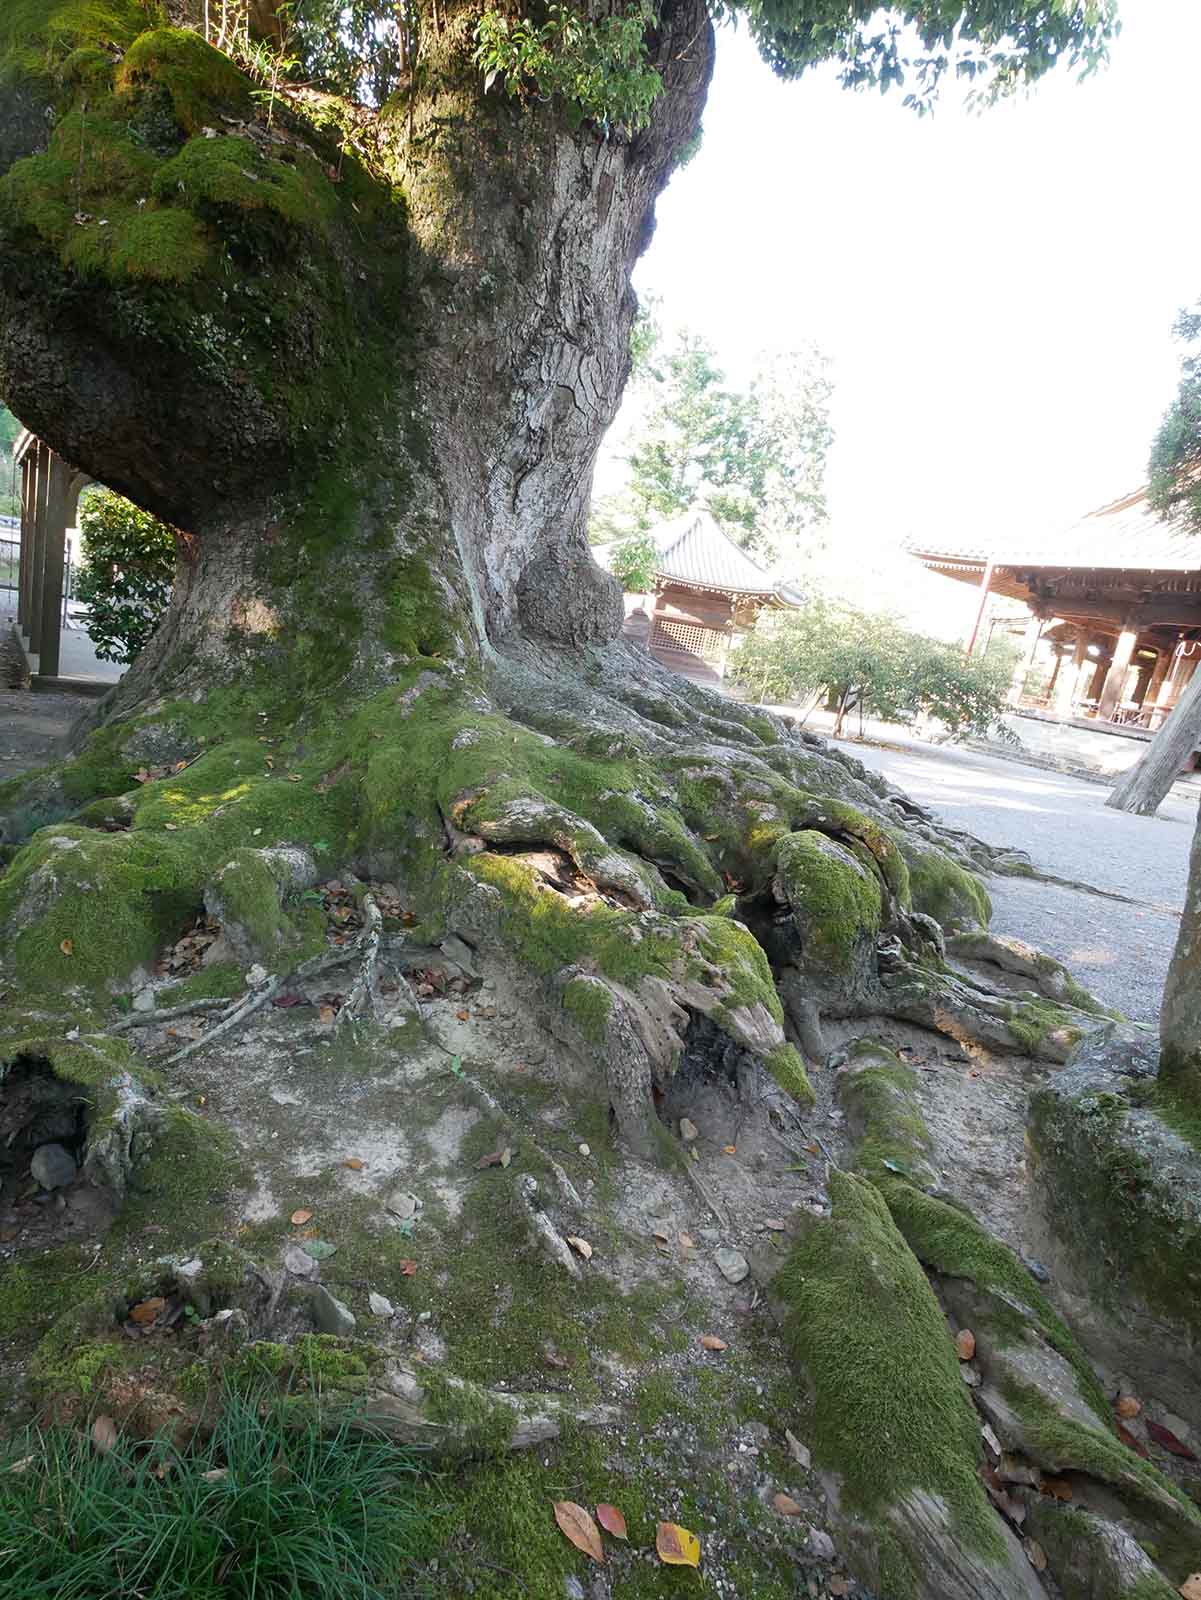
<point x="1143" y="788"/>
<point x="1180" y="1017"/>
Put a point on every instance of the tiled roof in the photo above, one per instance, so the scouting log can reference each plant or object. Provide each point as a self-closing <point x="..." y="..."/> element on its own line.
<point x="1126" y="535"/>
<point x="695" y="551"/>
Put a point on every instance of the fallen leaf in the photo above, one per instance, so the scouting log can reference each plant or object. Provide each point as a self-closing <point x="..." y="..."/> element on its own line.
<point x="1132" y="1443"/>
<point x="506" y="1156"/>
<point x="796" y="1449"/>
<point x="686" y="1241"/>
<point x="171" y="827"/>
<point x="688" y="1129"/>
<point x="319" y="1249"/>
<point x="354" y="1164"/>
<point x="965" y="1344"/>
<point x="1167" y="1440"/>
<point x="676" y="1547"/>
<point x="148" y="1311"/>
<point x="104" y="1434"/>
<point x="299" y="1218"/>
<point x="407" y="1268"/>
<point x="611" y="1520"/>
<point x="215" y="1474"/>
<point x="1057" y="1488"/>
<point x="293" y="777"/>
<point x="1190" y="1588"/>
<point x="710" y="1341"/>
<point x="67" y="947"/>
<point x="578" y="1527"/>
<point x="659" y="1235"/>
<point x="730" y="1149"/>
<point x="493" y="1160"/>
<point x="1035" y="1554"/>
<point x="326" y="1015"/>
<point x="1128" y="1406"/>
<point x="786" y="1505"/>
<point x="580" y="1246"/>
<point x="463" y="1016"/>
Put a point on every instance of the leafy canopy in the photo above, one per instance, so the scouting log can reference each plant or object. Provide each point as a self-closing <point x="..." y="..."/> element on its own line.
<point x="129" y="567"/>
<point x="754" y="458"/>
<point x="866" y="662"/>
<point x="600" y="68"/>
<point x="1175" y="469"/>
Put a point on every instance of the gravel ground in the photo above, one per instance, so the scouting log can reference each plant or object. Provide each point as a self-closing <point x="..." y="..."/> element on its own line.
<point x="1119" y="951"/>
<point x="32" y="724"/>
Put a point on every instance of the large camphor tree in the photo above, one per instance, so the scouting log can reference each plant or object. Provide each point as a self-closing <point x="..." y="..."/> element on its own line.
<point x="342" y="294"/>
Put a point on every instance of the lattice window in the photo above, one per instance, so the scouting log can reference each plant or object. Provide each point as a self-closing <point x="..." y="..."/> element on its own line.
<point x="708" y="643"/>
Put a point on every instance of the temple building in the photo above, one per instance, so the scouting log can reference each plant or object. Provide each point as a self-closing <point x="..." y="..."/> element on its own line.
<point x="1114" y="610"/>
<point x="706" y="591"/>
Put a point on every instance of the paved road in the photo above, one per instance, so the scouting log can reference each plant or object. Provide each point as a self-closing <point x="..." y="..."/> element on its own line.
<point x="1119" y="951"/>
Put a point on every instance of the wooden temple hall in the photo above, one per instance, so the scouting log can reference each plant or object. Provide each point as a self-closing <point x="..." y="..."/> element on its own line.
<point x="1114" y="612"/>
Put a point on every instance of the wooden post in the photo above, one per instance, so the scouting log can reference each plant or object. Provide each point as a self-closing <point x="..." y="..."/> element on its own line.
<point x="38" y="550"/>
<point x="55" y="538"/>
<point x="1115" y="678"/>
<point x="28" y="491"/>
<point x="1033" y="633"/>
<point x="1166" y="657"/>
<point x="985" y="586"/>
<point x="1068" y="686"/>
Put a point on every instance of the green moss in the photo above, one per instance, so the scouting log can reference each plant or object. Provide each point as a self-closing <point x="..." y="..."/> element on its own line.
<point x="879" y="1095"/>
<point x="891" y="1413"/>
<point x="199" y="78"/>
<point x="229" y="172"/>
<point x="1033" y="1022"/>
<point x="942" y="889"/>
<point x="221" y="981"/>
<point x="36" y="1289"/>
<point x="835" y="899"/>
<point x="316" y="1362"/>
<point x="183" y="1185"/>
<point x="787" y="1068"/>
<point x="589" y="1005"/>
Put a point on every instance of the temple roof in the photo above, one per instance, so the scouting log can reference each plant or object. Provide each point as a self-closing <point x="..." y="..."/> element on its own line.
<point x="695" y="551"/>
<point x="1125" y="535"/>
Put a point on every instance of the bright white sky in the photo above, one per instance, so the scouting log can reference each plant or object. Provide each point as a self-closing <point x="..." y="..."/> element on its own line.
<point x="996" y="290"/>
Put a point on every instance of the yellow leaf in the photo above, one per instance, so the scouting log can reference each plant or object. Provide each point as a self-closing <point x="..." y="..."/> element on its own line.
<point x="730" y="1149"/>
<point x="299" y="1218"/>
<point x="676" y="1547"/>
<point x="67" y="947"/>
<point x="354" y="1164"/>
<point x="579" y="1528"/>
<point x="148" y="1311"/>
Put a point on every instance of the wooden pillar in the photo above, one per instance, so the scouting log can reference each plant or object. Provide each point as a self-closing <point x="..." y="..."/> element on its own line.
<point x="38" y="547"/>
<point x="1030" y="640"/>
<point x="1067" y="687"/>
<point x="985" y="586"/>
<point x="1156" y="683"/>
<point x="1179" y="673"/>
<point x="25" y="549"/>
<point x="58" y="484"/>
<point x="1115" y="678"/>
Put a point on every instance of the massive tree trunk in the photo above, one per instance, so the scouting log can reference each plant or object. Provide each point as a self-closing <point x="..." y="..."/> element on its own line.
<point x="1180" y="1019"/>
<point x="364" y="364"/>
<point x="1148" y="781"/>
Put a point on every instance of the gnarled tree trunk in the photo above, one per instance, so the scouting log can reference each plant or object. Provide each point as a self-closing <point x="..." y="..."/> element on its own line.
<point x="1148" y="781"/>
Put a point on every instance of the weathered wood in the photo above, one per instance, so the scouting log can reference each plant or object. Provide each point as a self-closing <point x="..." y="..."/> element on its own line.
<point x="1144" y="786"/>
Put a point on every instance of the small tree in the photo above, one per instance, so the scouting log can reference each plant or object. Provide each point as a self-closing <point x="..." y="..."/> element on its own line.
<point x="128" y="571"/>
<point x="867" y="662"/>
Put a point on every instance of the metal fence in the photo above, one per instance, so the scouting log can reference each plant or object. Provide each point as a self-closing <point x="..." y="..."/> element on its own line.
<point x="10" y="565"/>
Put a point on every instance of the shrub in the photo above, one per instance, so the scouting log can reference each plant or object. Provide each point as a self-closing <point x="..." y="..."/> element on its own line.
<point x="129" y="567"/>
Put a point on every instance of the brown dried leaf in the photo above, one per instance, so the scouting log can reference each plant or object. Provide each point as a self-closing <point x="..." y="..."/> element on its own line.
<point x="686" y="1241"/>
<point x="148" y="1311"/>
<point x="104" y="1434"/>
<point x="730" y="1149"/>
<point x="67" y="947"/>
<point x="710" y="1341"/>
<point x="407" y="1268"/>
<point x="580" y="1246"/>
<point x="676" y="1547"/>
<point x="578" y="1527"/>
<point x="354" y="1163"/>
<point x="1128" y="1406"/>
<point x="299" y="1218"/>
<point x="463" y="1016"/>
<point x="1057" y="1488"/>
<point x="1132" y="1442"/>
<point x="1167" y="1440"/>
<point x="786" y="1505"/>
<point x="611" y="1520"/>
<point x="326" y="1015"/>
<point x="965" y="1344"/>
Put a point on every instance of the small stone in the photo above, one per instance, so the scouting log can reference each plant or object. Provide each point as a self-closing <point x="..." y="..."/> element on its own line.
<point x="585" y="1150"/>
<point x="965" y="1344"/>
<point x="821" y="1544"/>
<point x="256" y="977"/>
<point x="402" y="1204"/>
<point x="330" y="1315"/>
<point x="300" y="1263"/>
<point x="970" y="1374"/>
<point x="573" y="1589"/>
<point x="796" y="1449"/>
<point x="52" y="1166"/>
<point x="1036" y="1269"/>
<point x="380" y="1305"/>
<point x="688" y="1130"/>
<point x="732" y="1265"/>
<point x="144" y="1000"/>
<point x="709" y="1235"/>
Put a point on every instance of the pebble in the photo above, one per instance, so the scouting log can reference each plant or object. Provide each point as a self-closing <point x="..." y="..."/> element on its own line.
<point x="380" y="1305"/>
<point x="732" y="1265"/>
<point x="1036" y="1269"/>
<point x="52" y="1166"/>
<point x="402" y="1204"/>
<point x="330" y="1315"/>
<point x="585" y="1150"/>
<point x="688" y="1130"/>
<point x="821" y="1544"/>
<point x="709" y="1235"/>
<point x="300" y="1263"/>
<point x="144" y="1000"/>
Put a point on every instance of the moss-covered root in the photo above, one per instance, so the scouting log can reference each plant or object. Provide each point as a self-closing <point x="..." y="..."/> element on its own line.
<point x="930" y="995"/>
<point x="878" y="1095"/>
<point x="892" y="1420"/>
<point x="1050" y="978"/>
<point x="1093" y="1559"/>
